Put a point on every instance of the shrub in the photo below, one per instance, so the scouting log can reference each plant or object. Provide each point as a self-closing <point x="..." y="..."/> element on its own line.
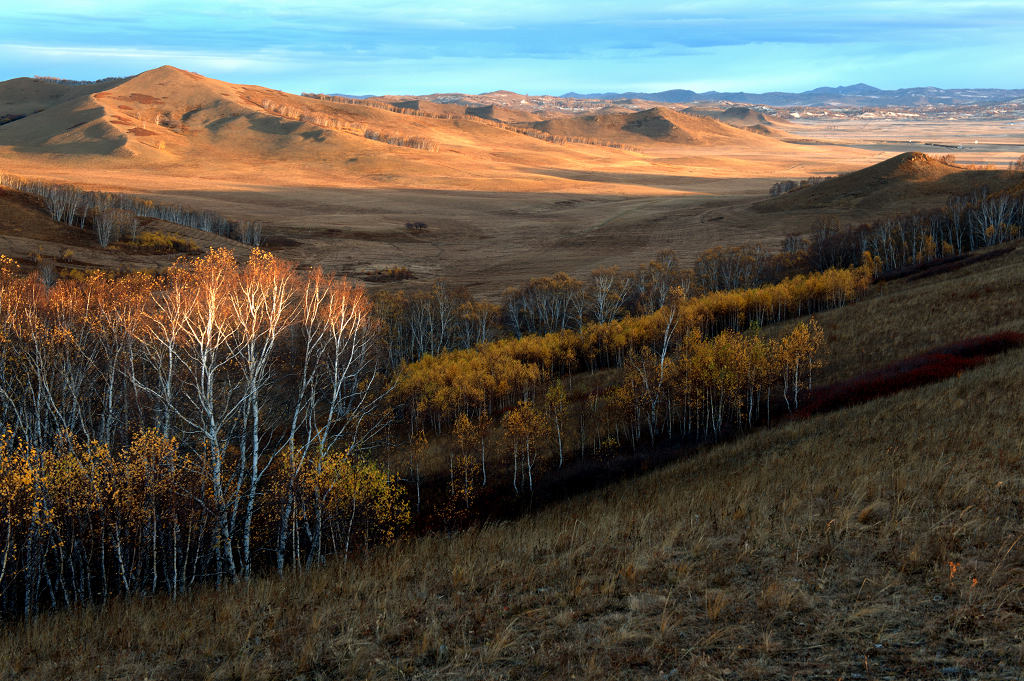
<point x="392" y="273"/>
<point x="163" y="242"/>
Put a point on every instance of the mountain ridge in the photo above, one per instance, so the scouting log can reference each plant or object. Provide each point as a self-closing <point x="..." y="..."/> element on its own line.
<point x="859" y="94"/>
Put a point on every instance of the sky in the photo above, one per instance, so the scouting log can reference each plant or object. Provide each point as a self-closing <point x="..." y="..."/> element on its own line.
<point x="530" y="46"/>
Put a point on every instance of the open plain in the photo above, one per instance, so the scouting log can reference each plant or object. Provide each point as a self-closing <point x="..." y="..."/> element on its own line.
<point x="500" y="206"/>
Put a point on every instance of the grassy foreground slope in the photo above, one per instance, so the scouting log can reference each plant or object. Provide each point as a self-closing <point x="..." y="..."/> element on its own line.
<point x="879" y="541"/>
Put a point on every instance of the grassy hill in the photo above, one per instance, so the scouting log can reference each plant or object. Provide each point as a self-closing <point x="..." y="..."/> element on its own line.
<point x="908" y="180"/>
<point x="879" y="541"/>
<point x="658" y="124"/>
<point x="29" y="236"/>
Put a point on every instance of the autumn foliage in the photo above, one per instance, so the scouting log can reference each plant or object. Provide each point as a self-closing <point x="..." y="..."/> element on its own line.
<point x="197" y="425"/>
<point x="163" y="431"/>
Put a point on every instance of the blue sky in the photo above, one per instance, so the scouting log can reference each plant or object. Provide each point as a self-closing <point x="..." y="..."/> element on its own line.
<point x="422" y="46"/>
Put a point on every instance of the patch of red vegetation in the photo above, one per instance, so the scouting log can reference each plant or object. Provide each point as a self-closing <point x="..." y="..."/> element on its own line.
<point x="141" y="132"/>
<point x="930" y="367"/>
<point x="942" y="265"/>
<point x="125" y="106"/>
<point x="144" y="99"/>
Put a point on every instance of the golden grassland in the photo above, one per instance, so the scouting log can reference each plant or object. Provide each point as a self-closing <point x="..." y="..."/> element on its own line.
<point x="906" y="318"/>
<point x="880" y="541"/>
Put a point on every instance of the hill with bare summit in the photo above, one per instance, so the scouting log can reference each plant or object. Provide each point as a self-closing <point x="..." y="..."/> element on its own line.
<point x="911" y="179"/>
<point x="655" y="125"/>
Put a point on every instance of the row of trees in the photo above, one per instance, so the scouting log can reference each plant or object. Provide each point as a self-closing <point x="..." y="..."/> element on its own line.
<point x="780" y="188"/>
<point x="699" y="392"/>
<point x="83" y="520"/>
<point x="112" y="216"/>
<point x="709" y="385"/>
<point x="492" y="377"/>
<point x="445" y="317"/>
<point x="329" y="121"/>
<point x="964" y="224"/>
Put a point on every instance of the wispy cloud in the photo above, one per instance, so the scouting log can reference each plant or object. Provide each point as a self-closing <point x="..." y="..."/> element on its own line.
<point x="553" y="46"/>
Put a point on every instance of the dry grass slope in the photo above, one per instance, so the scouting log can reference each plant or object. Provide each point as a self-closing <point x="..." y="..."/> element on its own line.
<point x="28" y="235"/>
<point x="880" y="541"/>
<point x="907" y="181"/>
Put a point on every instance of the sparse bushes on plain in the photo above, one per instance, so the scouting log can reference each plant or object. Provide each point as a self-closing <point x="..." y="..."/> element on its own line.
<point x="399" y="140"/>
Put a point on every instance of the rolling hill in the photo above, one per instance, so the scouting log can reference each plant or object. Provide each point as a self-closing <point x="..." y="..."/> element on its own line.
<point x="738" y="116"/>
<point x="910" y="179"/>
<point x="657" y="125"/>
<point x="168" y="114"/>
<point x="169" y="118"/>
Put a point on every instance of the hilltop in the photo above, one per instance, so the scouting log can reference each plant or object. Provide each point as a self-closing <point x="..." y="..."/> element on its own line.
<point x="908" y="180"/>
<point x="741" y="117"/>
<point x="657" y="124"/>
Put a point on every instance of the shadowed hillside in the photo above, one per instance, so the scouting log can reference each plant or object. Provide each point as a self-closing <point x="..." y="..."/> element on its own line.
<point x="738" y="116"/>
<point x="911" y="178"/>
<point x="499" y="113"/>
<point x="653" y="125"/>
<point x="24" y="96"/>
<point x="30" y="237"/>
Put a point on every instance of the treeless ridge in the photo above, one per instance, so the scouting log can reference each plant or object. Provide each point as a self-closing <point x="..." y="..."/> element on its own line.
<point x="910" y="179"/>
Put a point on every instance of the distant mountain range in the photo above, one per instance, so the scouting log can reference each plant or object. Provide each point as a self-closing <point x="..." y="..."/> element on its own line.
<point x="850" y="95"/>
